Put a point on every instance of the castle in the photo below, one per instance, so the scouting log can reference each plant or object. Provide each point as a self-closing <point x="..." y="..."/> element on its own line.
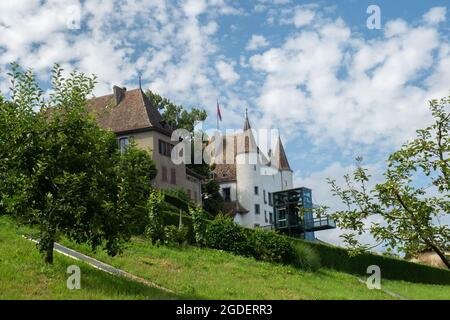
<point x="248" y="178"/>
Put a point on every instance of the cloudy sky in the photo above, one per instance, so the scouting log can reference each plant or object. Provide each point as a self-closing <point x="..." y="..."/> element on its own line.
<point x="333" y="87"/>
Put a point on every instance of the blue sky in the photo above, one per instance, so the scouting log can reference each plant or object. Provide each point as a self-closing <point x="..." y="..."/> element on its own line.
<point x="334" y="88"/>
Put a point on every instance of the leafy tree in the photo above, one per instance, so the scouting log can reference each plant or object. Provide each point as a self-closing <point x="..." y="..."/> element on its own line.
<point x="176" y="115"/>
<point x="135" y="169"/>
<point x="71" y="179"/>
<point x="409" y="215"/>
<point x="199" y="224"/>
<point x="155" y="225"/>
<point x="212" y="199"/>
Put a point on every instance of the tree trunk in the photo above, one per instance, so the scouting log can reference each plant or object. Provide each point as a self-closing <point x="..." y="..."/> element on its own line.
<point x="440" y="253"/>
<point x="49" y="253"/>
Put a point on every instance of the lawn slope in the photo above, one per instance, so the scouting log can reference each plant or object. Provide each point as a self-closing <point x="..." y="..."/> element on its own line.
<point x="23" y="275"/>
<point x="191" y="272"/>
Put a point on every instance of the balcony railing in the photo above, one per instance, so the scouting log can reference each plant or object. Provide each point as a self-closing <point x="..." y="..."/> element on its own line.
<point x="321" y="223"/>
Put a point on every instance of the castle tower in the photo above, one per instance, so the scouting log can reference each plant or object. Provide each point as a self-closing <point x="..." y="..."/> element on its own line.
<point x="279" y="161"/>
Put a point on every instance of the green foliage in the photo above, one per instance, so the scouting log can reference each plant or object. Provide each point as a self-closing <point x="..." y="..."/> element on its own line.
<point x="212" y="200"/>
<point x="176" y="115"/>
<point x="394" y="269"/>
<point x="58" y="167"/>
<point x="135" y="170"/>
<point x="180" y="118"/>
<point x="173" y="218"/>
<point x="306" y="257"/>
<point x="270" y="246"/>
<point x="223" y="234"/>
<point x="179" y="198"/>
<point x="174" y="235"/>
<point x="198" y="224"/>
<point x="410" y="210"/>
<point x="155" y="226"/>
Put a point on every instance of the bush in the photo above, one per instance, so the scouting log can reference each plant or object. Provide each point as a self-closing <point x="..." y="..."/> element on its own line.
<point x="174" y="235"/>
<point x="395" y="269"/>
<point x="155" y="226"/>
<point x="199" y="225"/>
<point x="270" y="246"/>
<point x="223" y="234"/>
<point x="306" y="258"/>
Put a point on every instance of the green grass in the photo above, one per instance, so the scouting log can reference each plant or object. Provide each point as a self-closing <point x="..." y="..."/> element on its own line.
<point x="212" y="274"/>
<point x="417" y="291"/>
<point x="191" y="272"/>
<point x="23" y="274"/>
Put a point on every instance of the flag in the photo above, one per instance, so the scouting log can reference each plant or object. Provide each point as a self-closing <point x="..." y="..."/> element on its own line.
<point x="219" y="115"/>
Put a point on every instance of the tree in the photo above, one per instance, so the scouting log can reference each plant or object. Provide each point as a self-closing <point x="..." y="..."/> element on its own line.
<point x="135" y="169"/>
<point x="212" y="199"/>
<point x="411" y="213"/>
<point x="176" y="115"/>
<point x="73" y="181"/>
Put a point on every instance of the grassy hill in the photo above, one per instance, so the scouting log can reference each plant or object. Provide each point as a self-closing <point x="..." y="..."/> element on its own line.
<point x="192" y="272"/>
<point x="23" y="275"/>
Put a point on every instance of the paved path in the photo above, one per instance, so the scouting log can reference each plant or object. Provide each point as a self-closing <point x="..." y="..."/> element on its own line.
<point x="102" y="266"/>
<point x="392" y="294"/>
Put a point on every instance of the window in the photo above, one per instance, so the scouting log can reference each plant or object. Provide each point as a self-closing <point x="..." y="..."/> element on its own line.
<point x="270" y="199"/>
<point x="270" y="217"/>
<point x="195" y="196"/>
<point x="164" y="174"/>
<point x="226" y="194"/>
<point x="189" y="193"/>
<point x="264" y="195"/>
<point x="256" y="190"/>
<point x="165" y="148"/>
<point x="173" y="176"/>
<point x="257" y="209"/>
<point x="123" y="143"/>
<point x="265" y="216"/>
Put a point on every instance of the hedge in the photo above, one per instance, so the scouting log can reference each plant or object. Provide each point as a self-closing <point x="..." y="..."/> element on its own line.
<point x="173" y="218"/>
<point x="391" y="268"/>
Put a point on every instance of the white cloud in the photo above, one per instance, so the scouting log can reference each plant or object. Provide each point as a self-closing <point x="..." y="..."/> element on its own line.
<point x="256" y="42"/>
<point x="303" y="17"/>
<point x="435" y="15"/>
<point x="349" y="90"/>
<point x="226" y="72"/>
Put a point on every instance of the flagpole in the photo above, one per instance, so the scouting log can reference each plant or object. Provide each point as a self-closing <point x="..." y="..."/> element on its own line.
<point x="217" y="115"/>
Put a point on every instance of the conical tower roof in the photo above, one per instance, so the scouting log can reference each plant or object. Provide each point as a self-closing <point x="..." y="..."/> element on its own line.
<point x="246" y="121"/>
<point x="279" y="157"/>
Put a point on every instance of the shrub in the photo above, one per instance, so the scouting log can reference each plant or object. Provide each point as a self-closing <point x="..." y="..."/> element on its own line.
<point x="174" y="235"/>
<point x="223" y="234"/>
<point x="306" y="257"/>
<point x="155" y="226"/>
<point x="270" y="246"/>
<point x="173" y="218"/>
<point x="135" y="170"/>
<point x="199" y="225"/>
<point x="395" y="269"/>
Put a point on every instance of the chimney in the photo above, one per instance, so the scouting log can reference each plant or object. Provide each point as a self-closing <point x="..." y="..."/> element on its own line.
<point x="119" y="93"/>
